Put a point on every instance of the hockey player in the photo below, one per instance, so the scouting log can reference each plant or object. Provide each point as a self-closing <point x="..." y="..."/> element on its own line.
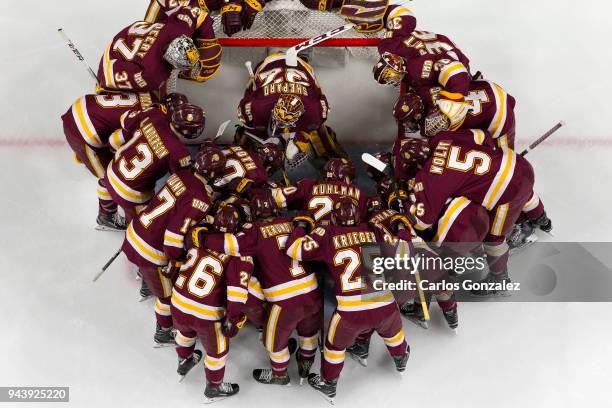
<point x="207" y="303"/>
<point x="498" y="179"/>
<point x="339" y="246"/>
<point x="246" y="168"/>
<point x="154" y="240"/>
<point x="491" y="109"/>
<point x="88" y="126"/>
<point x="290" y="289"/>
<point x="142" y="56"/>
<point x="154" y="147"/>
<point x="235" y="14"/>
<point x="282" y="101"/>
<point x="319" y="197"/>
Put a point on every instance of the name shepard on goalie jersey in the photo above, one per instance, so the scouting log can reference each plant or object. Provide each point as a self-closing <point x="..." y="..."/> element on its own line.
<point x="285" y="87"/>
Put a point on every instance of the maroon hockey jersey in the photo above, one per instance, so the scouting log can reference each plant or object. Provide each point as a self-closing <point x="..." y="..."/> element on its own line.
<point x="135" y="58"/>
<point x="98" y="116"/>
<point x="212" y="285"/>
<point x="274" y="77"/>
<point x="318" y="197"/>
<point x="492" y="109"/>
<point x="157" y="234"/>
<point x="340" y="248"/>
<point x="152" y="151"/>
<point x="243" y="168"/>
<point x="284" y="281"/>
<point x="461" y="167"/>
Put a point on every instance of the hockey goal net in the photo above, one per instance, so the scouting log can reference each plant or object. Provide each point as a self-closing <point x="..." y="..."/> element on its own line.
<point x="285" y="23"/>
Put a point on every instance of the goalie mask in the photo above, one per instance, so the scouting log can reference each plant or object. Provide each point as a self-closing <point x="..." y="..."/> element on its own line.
<point x="188" y="120"/>
<point x="390" y="69"/>
<point x="287" y="111"/>
<point x="345" y="212"/>
<point x="182" y="53"/>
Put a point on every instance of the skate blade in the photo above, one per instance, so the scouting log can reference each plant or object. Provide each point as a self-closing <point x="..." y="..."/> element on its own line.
<point x="106" y="228"/>
<point x="142" y="299"/>
<point x="423" y="324"/>
<point x="182" y="378"/>
<point x="163" y="345"/>
<point x="490" y="295"/>
<point x="302" y="381"/>
<point x="530" y="240"/>
<point x="455" y="331"/>
<point x="213" y="400"/>
<point x="362" y="361"/>
<point x="326" y="398"/>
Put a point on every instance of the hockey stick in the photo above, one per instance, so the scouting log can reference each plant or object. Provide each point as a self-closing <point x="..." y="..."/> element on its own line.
<point x="221" y="130"/>
<point x="292" y="53"/>
<point x="263" y="142"/>
<point x="77" y="54"/>
<point x="388" y="171"/>
<point x="107" y="264"/>
<point x="543" y="137"/>
<point x="249" y="67"/>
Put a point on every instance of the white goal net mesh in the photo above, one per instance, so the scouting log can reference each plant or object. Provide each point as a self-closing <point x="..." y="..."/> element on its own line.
<point x="284" y="23"/>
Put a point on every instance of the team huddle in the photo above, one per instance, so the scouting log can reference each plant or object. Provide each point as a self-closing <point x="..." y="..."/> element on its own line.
<point x="224" y="237"/>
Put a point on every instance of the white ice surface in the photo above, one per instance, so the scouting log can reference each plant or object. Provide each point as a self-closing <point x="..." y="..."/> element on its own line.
<point x="60" y="329"/>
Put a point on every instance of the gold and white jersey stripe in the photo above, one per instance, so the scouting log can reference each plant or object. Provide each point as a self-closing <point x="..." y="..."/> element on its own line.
<point x="124" y="191"/>
<point x="255" y="288"/>
<point x="357" y="303"/>
<point x="151" y="254"/>
<point x="84" y="124"/>
<point x="448" y="218"/>
<point x="291" y="289"/>
<point x="448" y="71"/>
<point x="501" y="111"/>
<point x="237" y="294"/>
<point x="172" y="239"/>
<point x="502" y="179"/>
<point x="108" y="68"/>
<point x="193" y="308"/>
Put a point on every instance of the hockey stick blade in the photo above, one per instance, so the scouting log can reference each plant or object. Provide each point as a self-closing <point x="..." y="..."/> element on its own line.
<point x="221" y="129"/>
<point x="292" y="53"/>
<point x="374" y="162"/>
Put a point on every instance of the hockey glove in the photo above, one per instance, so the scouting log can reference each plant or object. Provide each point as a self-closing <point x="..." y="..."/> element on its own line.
<point x="251" y="8"/>
<point x="230" y="328"/>
<point x="231" y="17"/>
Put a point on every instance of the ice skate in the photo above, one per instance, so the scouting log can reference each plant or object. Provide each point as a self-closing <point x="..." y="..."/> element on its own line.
<point x="145" y="292"/>
<point x="266" y="376"/>
<point x="110" y="222"/>
<point x="186" y="364"/>
<point x="326" y="388"/>
<point x="217" y="392"/>
<point x="304" y="368"/>
<point x="522" y="236"/>
<point x="360" y="352"/>
<point x="414" y="312"/>
<point x="163" y="337"/>
<point x="452" y="318"/>
<point x="401" y="361"/>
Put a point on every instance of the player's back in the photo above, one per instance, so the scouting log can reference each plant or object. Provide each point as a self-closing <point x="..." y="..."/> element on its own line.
<point x="200" y="288"/>
<point x="429" y="44"/>
<point x="241" y="163"/>
<point x="318" y="197"/>
<point x="157" y="233"/>
<point x="97" y="116"/>
<point x="152" y="150"/>
<point x="343" y="259"/>
<point x="283" y="279"/>
<point x="461" y="167"/>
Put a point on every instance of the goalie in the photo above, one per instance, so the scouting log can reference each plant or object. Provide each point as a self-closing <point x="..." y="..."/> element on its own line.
<point x="286" y="104"/>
